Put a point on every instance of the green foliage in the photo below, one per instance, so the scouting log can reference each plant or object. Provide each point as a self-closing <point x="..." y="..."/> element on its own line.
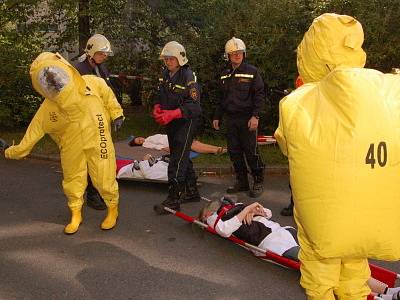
<point x="17" y="50"/>
<point x="138" y="29"/>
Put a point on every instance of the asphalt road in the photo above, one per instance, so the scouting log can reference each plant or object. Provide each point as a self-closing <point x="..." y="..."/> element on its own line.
<point x="144" y="257"/>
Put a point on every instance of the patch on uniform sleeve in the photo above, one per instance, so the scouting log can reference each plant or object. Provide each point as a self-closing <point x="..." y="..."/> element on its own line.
<point x="194" y="94"/>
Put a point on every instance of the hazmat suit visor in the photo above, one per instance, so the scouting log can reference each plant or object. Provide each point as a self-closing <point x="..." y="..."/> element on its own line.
<point x="53" y="80"/>
<point x="331" y="41"/>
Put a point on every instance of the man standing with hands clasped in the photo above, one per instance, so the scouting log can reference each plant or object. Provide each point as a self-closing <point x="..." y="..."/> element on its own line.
<point x="177" y="107"/>
<point x="241" y="101"/>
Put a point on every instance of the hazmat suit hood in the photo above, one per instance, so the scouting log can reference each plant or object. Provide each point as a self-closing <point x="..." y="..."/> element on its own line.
<point x="332" y="41"/>
<point x="56" y="79"/>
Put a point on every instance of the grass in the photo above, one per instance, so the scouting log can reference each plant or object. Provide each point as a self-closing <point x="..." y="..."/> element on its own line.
<point x="271" y="155"/>
<point x="138" y="122"/>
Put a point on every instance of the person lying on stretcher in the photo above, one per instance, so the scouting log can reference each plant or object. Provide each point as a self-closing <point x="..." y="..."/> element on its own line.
<point x="252" y="224"/>
<point x="160" y="142"/>
<point x="147" y="168"/>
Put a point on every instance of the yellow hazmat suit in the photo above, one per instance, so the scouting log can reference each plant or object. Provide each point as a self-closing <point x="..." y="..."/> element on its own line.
<point x="341" y="133"/>
<point x="76" y="114"/>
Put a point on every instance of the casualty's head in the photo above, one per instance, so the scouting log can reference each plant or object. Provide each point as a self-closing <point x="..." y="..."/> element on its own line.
<point x="235" y="51"/>
<point x="136" y="141"/>
<point x="174" y="56"/>
<point x="331" y="41"/>
<point x="55" y="78"/>
<point x="208" y="210"/>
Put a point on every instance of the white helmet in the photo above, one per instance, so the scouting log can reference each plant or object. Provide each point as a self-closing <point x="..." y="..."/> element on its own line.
<point x="395" y="71"/>
<point x="234" y="44"/>
<point x="176" y="50"/>
<point x="98" y="43"/>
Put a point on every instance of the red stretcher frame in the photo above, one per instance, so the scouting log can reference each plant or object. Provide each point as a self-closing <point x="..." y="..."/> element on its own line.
<point x="386" y="276"/>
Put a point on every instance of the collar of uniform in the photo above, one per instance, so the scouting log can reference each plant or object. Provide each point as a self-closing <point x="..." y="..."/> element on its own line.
<point x="88" y="64"/>
<point x="241" y="68"/>
<point x="229" y="69"/>
<point x="166" y="76"/>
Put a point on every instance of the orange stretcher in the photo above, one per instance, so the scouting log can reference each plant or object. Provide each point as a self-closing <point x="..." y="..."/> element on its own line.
<point x="265" y="140"/>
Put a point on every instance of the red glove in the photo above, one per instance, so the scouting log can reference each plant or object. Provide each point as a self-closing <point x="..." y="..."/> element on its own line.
<point x="167" y="116"/>
<point x="156" y="110"/>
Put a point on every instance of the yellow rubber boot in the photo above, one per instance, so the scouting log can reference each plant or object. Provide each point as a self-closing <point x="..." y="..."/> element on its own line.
<point x="76" y="220"/>
<point x="111" y="218"/>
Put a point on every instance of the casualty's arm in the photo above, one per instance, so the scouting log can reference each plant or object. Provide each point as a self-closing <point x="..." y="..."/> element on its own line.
<point x="226" y="228"/>
<point x="32" y="135"/>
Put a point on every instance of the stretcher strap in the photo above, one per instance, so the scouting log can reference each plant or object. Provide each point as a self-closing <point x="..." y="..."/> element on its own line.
<point x="222" y="213"/>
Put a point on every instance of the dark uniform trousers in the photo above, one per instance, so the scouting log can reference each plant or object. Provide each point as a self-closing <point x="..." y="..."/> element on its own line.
<point x="243" y="141"/>
<point x="180" y="134"/>
<point x="242" y="97"/>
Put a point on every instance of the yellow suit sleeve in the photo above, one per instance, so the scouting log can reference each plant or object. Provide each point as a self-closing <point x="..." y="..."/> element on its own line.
<point x="32" y="135"/>
<point x="111" y="104"/>
<point x="280" y="133"/>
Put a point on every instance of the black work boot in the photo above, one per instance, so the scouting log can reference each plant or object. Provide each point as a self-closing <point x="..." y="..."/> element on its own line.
<point x="93" y="198"/>
<point x="288" y="211"/>
<point x="258" y="186"/>
<point x="172" y="201"/>
<point x="191" y="193"/>
<point x="241" y="184"/>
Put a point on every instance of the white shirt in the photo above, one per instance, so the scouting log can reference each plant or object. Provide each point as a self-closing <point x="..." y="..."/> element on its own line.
<point x="158" y="171"/>
<point x="157" y="141"/>
<point x="278" y="241"/>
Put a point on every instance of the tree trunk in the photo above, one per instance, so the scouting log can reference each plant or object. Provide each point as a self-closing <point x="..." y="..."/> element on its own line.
<point x="83" y="24"/>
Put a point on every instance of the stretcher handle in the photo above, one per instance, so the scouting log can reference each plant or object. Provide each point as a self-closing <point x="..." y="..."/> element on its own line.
<point x="130" y="77"/>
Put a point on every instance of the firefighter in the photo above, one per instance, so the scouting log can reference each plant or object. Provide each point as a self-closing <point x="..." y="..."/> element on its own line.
<point x="177" y="107"/>
<point x="92" y="62"/>
<point x="241" y="102"/>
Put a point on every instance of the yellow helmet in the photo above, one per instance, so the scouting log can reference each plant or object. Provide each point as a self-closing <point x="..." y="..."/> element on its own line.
<point x="98" y="43"/>
<point x="176" y="50"/>
<point x="234" y="44"/>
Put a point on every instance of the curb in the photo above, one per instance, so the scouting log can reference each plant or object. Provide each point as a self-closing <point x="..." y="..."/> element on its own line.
<point x="200" y="170"/>
<point x="228" y="170"/>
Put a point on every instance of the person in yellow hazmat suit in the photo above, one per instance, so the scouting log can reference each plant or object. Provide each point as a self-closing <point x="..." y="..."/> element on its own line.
<point x="341" y="133"/>
<point x="75" y="113"/>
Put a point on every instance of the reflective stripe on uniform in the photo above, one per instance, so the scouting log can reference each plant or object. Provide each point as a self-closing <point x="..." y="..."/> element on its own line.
<point x="160" y="79"/>
<point x="179" y="86"/>
<point x="244" y="75"/>
<point x="238" y="75"/>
